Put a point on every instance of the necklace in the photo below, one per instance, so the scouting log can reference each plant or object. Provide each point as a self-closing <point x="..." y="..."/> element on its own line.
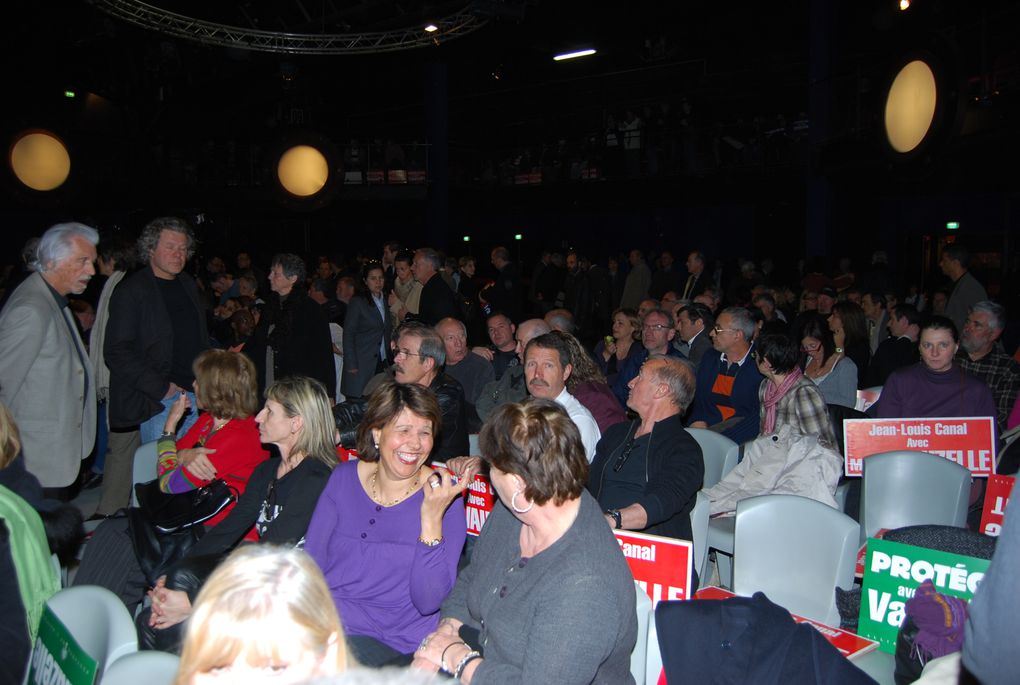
<point x="375" y="494"/>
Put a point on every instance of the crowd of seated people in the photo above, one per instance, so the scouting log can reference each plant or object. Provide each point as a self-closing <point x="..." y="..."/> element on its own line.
<point x="568" y="381"/>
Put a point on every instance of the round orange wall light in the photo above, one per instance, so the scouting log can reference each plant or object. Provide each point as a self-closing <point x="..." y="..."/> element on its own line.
<point x="303" y="170"/>
<point x="40" y="160"/>
<point x="910" y="106"/>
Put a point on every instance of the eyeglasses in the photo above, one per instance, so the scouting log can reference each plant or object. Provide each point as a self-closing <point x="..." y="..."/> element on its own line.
<point x="655" y="327"/>
<point x="401" y="352"/>
<point x="717" y="330"/>
<point x="624" y="455"/>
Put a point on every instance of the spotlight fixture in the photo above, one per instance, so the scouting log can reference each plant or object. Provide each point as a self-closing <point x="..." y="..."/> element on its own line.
<point x="904" y="5"/>
<point x="572" y="55"/>
<point x="910" y="106"/>
<point x="303" y="170"/>
<point x="39" y="159"/>
<point x="431" y="28"/>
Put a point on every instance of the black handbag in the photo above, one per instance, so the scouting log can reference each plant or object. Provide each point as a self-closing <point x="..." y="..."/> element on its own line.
<point x="171" y="513"/>
<point x="165" y="526"/>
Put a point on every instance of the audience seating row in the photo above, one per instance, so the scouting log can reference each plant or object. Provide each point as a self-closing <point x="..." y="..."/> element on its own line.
<point x="102" y="626"/>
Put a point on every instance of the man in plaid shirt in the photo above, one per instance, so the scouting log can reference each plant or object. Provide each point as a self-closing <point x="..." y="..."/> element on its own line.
<point x="981" y="355"/>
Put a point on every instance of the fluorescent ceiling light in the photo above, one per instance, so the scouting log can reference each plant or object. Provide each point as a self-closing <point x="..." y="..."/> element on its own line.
<point x="572" y="55"/>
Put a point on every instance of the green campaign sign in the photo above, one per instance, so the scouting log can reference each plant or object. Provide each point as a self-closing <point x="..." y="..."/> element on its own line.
<point x="57" y="659"/>
<point x="892" y="573"/>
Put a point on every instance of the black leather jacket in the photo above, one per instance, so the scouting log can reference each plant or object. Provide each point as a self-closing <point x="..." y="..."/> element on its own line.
<point x="453" y="434"/>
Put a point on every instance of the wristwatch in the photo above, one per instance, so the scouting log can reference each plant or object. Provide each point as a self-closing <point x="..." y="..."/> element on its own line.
<point x="617" y="518"/>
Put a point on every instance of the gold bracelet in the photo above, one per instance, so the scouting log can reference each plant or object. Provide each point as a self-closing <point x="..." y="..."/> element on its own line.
<point x="430" y="543"/>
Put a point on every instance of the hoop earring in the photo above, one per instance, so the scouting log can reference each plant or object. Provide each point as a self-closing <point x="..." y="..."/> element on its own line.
<point x="513" y="504"/>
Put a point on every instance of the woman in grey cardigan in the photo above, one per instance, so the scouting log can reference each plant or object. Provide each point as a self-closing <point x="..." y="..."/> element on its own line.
<point x="548" y="596"/>
<point x="366" y="326"/>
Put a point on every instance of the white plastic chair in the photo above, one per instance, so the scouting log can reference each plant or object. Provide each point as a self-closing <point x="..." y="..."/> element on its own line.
<point x="905" y="488"/>
<point x="638" y="657"/>
<point x="867" y="397"/>
<point x="795" y="550"/>
<point x="98" y="620"/>
<point x="151" y="668"/>
<point x="699" y="531"/>
<point x="144" y="467"/>
<point x="720" y="538"/>
<point x="720" y="454"/>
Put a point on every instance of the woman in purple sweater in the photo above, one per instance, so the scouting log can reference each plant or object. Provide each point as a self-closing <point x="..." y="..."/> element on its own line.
<point x="936" y="387"/>
<point x="388" y="531"/>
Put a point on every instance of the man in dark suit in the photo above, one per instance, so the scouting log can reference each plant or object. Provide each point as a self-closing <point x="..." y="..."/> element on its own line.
<point x="693" y="322"/>
<point x="505" y="293"/>
<point x="437" y="300"/>
<point x="899" y="349"/>
<point x="697" y="279"/>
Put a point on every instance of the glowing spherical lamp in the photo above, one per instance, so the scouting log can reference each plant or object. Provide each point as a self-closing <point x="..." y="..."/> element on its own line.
<point x="303" y="170"/>
<point x="910" y="106"/>
<point x="40" y="160"/>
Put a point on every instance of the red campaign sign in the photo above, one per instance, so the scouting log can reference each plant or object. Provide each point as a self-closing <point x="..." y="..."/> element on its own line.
<point x="661" y="566"/>
<point x="849" y="644"/>
<point x="996" y="499"/>
<point x="969" y="441"/>
<point x="478" y="502"/>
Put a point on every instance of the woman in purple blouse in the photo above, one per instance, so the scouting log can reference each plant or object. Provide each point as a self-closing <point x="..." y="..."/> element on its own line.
<point x="388" y="531"/>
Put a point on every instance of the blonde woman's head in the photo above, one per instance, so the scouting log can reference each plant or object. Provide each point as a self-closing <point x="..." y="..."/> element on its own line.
<point x="264" y="615"/>
<point x="305" y="398"/>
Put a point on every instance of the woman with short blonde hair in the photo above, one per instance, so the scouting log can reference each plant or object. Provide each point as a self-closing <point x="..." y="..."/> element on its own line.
<point x="265" y="611"/>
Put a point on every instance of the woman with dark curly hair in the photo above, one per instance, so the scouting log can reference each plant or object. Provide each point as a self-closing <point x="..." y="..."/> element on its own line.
<point x="588" y="385"/>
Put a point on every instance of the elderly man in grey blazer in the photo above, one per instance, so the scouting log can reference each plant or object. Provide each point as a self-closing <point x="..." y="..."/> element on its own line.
<point x="46" y="378"/>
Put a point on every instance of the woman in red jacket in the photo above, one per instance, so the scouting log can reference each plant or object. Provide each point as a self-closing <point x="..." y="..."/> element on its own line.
<point x="224" y="442"/>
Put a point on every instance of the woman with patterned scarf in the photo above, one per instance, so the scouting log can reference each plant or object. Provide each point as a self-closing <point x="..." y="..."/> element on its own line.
<point x="787" y="396"/>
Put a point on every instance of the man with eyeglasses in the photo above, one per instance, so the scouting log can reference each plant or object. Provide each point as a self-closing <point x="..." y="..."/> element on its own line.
<point x="726" y="399"/>
<point x="646" y="473"/>
<point x="657" y="333"/>
<point x="418" y="358"/>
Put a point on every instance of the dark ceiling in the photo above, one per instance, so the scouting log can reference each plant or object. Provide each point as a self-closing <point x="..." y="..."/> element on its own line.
<point x="141" y="93"/>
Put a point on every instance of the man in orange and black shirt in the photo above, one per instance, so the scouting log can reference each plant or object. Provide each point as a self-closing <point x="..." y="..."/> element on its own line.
<point x="726" y="398"/>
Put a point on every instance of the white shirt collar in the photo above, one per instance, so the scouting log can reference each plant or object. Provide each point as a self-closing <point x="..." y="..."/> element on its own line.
<point x="722" y="357"/>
